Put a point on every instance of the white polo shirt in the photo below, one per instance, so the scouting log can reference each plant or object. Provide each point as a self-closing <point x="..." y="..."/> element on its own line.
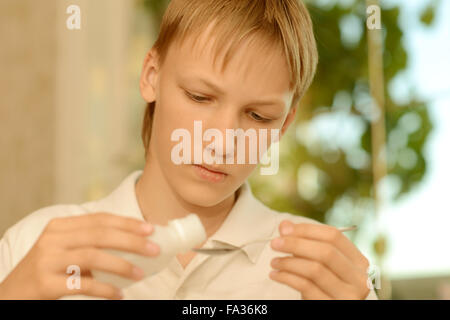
<point x="243" y="274"/>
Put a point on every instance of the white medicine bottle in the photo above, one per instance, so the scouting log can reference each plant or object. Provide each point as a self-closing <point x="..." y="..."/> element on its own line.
<point x="179" y="236"/>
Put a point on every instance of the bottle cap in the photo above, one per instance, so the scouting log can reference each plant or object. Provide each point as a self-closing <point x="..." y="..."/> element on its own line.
<point x="190" y="230"/>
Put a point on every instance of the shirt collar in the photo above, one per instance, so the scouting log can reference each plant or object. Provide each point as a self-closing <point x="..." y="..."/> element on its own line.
<point x="248" y="220"/>
<point x="123" y="199"/>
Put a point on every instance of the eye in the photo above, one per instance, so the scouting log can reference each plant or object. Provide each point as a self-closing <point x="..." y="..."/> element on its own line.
<point x="258" y="118"/>
<point x="196" y="98"/>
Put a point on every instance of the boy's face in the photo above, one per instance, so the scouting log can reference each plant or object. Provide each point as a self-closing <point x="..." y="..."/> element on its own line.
<point x="253" y="74"/>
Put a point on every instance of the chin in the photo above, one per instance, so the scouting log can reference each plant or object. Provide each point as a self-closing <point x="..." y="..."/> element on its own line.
<point x="195" y="188"/>
<point x="198" y="192"/>
<point x="204" y="194"/>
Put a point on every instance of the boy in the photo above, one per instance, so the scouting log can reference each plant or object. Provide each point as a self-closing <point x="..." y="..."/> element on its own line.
<point x="228" y="64"/>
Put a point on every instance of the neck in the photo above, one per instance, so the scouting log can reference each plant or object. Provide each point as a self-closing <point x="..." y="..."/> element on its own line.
<point x="159" y="203"/>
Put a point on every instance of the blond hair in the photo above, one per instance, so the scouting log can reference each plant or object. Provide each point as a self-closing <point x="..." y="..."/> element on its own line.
<point x="281" y="22"/>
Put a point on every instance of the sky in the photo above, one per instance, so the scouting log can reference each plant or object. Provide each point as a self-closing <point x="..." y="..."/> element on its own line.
<point x="418" y="226"/>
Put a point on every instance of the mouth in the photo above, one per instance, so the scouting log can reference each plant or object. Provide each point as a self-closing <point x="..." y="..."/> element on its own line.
<point x="210" y="174"/>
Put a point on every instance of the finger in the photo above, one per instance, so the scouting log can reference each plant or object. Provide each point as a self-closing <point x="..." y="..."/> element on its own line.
<point x="102" y="237"/>
<point x="100" y="219"/>
<point x="89" y="287"/>
<point x="320" y="275"/>
<point x="321" y="252"/>
<point x="86" y="273"/>
<point x="88" y="259"/>
<point x="329" y="234"/>
<point x="306" y="287"/>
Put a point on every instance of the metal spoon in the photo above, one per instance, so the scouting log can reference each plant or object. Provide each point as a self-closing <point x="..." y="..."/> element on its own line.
<point x="220" y="251"/>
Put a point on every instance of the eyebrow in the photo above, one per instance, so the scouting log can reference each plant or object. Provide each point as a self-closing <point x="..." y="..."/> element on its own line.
<point x="255" y="102"/>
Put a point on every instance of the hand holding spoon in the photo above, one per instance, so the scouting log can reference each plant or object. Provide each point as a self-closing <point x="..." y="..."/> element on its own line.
<point x="220" y="251"/>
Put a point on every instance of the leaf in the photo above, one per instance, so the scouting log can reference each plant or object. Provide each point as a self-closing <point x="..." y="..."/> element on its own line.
<point x="428" y="15"/>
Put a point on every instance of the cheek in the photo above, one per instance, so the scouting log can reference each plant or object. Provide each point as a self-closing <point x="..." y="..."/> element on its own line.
<point x="242" y="171"/>
<point x="164" y="124"/>
<point x="172" y="107"/>
<point x="171" y="115"/>
<point x="266" y="136"/>
<point x="177" y="112"/>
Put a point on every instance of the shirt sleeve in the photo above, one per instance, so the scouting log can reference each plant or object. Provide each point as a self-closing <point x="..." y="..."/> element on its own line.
<point x="5" y="255"/>
<point x="372" y="295"/>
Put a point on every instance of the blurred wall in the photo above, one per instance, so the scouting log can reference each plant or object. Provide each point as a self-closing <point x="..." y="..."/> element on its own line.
<point x="27" y="110"/>
<point x="64" y="119"/>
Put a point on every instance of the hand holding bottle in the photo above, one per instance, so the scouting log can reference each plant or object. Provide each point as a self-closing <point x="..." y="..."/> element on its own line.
<point x="78" y="240"/>
<point x="179" y="236"/>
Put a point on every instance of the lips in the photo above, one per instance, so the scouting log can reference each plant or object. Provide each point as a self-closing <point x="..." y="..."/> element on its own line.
<point x="209" y="173"/>
<point x="212" y="169"/>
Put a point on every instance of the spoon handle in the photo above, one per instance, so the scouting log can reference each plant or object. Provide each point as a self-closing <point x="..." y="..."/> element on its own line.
<point x="214" y="251"/>
<point x="353" y="227"/>
<point x="342" y="229"/>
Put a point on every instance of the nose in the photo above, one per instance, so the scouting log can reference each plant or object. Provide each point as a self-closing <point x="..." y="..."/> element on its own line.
<point x="223" y="120"/>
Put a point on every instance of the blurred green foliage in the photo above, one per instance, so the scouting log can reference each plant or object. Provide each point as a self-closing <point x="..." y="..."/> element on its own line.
<point x="428" y="14"/>
<point x="325" y="156"/>
<point x="156" y="9"/>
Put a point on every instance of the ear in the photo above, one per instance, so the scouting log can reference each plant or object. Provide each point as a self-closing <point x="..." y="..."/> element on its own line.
<point x="289" y="119"/>
<point x="149" y="76"/>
